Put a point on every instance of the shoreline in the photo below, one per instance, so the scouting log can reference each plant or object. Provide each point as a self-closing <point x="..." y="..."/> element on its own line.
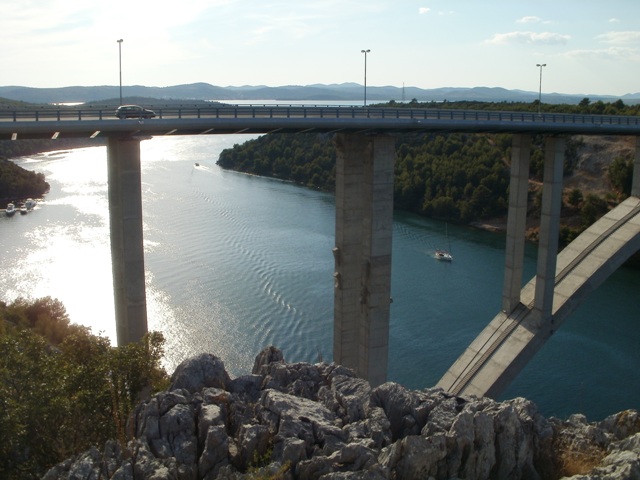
<point x="495" y="227"/>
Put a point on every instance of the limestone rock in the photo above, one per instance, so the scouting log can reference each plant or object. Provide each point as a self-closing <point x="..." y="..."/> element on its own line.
<point x="303" y="421"/>
<point x="267" y="356"/>
<point x="196" y="373"/>
<point x="401" y="407"/>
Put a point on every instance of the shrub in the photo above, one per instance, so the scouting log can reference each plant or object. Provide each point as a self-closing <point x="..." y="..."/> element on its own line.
<point x="59" y="398"/>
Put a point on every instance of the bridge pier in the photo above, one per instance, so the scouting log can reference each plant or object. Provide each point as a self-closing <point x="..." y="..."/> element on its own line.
<point x="362" y="278"/>
<point x="127" y="250"/>
<point x="549" y="230"/>
<point x="635" y="186"/>
<point x="516" y="221"/>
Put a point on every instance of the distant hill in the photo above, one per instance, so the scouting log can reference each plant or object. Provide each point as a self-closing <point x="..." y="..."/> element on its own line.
<point x="310" y="93"/>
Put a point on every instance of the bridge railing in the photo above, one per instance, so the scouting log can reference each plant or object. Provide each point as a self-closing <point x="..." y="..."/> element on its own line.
<point x="56" y="113"/>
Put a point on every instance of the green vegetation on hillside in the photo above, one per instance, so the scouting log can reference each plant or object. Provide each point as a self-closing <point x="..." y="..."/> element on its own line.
<point x="308" y="159"/>
<point x="584" y="107"/>
<point x="63" y="389"/>
<point x="20" y="148"/>
<point x="18" y="183"/>
<point x="455" y="177"/>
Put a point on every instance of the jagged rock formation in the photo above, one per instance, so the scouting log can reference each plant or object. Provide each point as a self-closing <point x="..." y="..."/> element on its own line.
<point x="321" y="422"/>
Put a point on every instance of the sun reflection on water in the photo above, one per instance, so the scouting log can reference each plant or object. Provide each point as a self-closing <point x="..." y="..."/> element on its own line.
<point x="62" y="250"/>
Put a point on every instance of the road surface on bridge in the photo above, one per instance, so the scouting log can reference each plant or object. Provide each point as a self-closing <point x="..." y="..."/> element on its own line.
<point x="56" y="122"/>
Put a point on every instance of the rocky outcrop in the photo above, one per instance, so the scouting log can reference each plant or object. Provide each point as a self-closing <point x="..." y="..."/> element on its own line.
<point x="319" y="421"/>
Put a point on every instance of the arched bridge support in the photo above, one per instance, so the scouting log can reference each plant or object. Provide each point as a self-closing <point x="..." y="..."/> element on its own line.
<point x="549" y="230"/>
<point x="507" y="344"/>
<point x="549" y="225"/>
<point x="127" y="249"/>
<point x="516" y="221"/>
<point x="362" y="253"/>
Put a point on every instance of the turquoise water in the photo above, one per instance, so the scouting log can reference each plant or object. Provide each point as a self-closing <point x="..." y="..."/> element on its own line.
<point x="236" y="262"/>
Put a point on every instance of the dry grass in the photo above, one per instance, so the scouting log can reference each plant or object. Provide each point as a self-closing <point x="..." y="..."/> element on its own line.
<point x="577" y="459"/>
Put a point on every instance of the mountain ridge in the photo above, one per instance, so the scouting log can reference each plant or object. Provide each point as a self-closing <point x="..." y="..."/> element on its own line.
<point x="347" y="92"/>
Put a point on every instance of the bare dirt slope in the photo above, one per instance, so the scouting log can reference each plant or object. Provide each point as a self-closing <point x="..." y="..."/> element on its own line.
<point x="594" y="157"/>
<point x="590" y="175"/>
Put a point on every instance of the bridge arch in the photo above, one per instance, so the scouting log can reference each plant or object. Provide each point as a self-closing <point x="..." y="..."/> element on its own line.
<point x="532" y="314"/>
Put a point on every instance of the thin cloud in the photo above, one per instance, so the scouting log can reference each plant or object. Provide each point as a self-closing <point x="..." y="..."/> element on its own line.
<point x="290" y="26"/>
<point x="615" y="54"/>
<point x="441" y="13"/>
<point x="529" y="19"/>
<point x="614" y="20"/>
<point x="529" y="38"/>
<point x="620" y="38"/>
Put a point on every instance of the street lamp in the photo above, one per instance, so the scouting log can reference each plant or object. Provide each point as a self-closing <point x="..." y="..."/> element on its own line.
<point x="120" y="66"/>
<point x="540" y="90"/>
<point x="365" y="75"/>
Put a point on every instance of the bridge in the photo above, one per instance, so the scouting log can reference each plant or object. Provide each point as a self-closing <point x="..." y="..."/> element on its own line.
<point x="53" y="122"/>
<point x="505" y="346"/>
<point x="364" y="213"/>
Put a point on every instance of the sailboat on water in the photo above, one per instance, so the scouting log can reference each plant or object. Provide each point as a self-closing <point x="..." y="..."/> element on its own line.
<point x="444" y="255"/>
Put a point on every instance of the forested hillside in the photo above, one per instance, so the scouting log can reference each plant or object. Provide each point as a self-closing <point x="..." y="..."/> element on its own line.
<point x="20" y="148"/>
<point x="456" y="177"/>
<point x="18" y="183"/>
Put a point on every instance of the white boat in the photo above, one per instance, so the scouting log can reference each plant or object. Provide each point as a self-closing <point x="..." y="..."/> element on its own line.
<point x="29" y="204"/>
<point x="11" y="210"/>
<point x="443" y="255"/>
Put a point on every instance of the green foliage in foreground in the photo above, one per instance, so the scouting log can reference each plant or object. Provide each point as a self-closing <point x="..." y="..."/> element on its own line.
<point x="63" y="389"/>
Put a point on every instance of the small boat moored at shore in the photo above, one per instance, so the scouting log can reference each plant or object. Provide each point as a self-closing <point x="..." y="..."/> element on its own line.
<point x="11" y="210"/>
<point x="29" y="204"/>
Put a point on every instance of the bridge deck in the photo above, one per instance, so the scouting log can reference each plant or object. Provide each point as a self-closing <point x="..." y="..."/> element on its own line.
<point x="85" y="121"/>
<point x="504" y="347"/>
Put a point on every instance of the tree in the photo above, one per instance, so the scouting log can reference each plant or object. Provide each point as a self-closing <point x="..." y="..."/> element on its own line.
<point x="575" y="197"/>
<point x="18" y="183"/>
<point x="58" y="400"/>
<point x="593" y="208"/>
<point x="621" y="175"/>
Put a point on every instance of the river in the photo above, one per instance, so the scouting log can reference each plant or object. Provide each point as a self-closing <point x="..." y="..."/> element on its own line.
<point x="237" y="262"/>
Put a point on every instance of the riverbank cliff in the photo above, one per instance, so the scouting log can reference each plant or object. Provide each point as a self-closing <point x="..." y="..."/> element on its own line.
<point x="298" y="420"/>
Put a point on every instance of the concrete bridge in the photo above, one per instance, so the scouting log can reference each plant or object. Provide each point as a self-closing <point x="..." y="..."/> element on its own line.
<point x="364" y="214"/>
<point x="513" y="337"/>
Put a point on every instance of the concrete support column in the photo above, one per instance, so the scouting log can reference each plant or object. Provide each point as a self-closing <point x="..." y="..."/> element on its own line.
<point x="635" y="186"/>
<point x="516" y="221"/>
<point x="127" y="250"/>
<point x="549" y="229"/>
<point x="364" y="223"/>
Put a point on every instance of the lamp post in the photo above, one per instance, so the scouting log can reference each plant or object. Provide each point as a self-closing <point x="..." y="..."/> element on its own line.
<point x="540" y="90"/>
<point x="365" y="75"/>
<point x="120" y="66"/>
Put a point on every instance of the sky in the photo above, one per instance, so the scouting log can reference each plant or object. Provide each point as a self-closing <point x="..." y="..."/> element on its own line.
<point x="588" y="46"/>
